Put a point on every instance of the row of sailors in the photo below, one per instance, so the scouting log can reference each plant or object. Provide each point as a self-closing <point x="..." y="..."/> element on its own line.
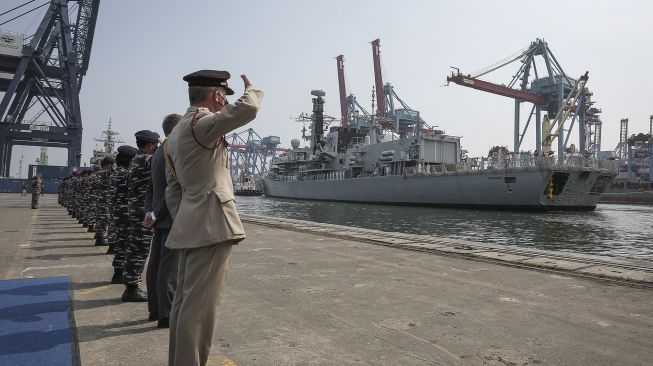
<point x="110" y="201"/>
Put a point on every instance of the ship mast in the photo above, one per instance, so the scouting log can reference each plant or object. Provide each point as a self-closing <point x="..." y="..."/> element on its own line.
<point x="109" y="139"/>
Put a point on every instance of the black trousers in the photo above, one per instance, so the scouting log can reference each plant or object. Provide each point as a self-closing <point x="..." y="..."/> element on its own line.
<point x="161" y="275"/>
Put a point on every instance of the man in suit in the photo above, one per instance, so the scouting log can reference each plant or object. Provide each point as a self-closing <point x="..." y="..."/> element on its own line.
<point x="201" y="202"/>
<point x="162" y="267"/>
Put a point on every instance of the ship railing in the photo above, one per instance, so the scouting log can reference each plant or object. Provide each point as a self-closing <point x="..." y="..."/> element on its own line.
<point x="531" y="161"/>
<point x="308" y="177"/>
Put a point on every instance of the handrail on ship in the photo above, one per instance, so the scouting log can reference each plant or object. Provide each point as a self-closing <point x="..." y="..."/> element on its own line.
<point x="551" y="162"/>
<point x="479" y="166"/>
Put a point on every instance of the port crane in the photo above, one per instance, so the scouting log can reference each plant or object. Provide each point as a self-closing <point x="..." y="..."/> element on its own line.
<point x="549" y="90"/>
<point x="249" y="154"/>
<point x="41" y="77"/>
<point x="391" y="112"/>
<point x="352" y="113"/>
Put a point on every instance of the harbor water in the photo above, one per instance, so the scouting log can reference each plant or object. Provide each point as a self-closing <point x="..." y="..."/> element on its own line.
<point x="610" y="230"/>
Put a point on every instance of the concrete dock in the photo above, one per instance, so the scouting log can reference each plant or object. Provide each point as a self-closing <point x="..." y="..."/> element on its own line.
<point x="312" y="294"/>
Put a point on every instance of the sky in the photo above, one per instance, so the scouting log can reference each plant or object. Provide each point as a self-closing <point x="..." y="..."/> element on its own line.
<point x="142" y="49"/>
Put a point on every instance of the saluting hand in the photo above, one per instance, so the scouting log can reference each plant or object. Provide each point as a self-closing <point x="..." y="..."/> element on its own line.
<point x="246" y="80"/>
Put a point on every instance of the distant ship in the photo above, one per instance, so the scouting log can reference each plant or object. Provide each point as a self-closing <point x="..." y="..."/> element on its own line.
<point x="634" y="183"/>
<point x="109" y="139"/>
<point x="428" y="168"/>
<point x="246" y="186"/>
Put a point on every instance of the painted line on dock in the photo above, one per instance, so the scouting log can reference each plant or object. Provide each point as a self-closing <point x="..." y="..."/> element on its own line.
<point x="11" y="270"/>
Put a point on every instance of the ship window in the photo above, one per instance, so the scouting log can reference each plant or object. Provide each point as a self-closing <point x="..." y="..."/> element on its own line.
<point x="584" y="175"/>
<point x="510" y="179"/>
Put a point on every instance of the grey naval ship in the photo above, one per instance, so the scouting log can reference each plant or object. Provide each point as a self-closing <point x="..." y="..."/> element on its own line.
<point x="406" y="162"/>
<point x="428" y="169"/>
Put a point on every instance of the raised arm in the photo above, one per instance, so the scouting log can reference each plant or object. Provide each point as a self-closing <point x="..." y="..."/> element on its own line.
<point x="210" y="128"/>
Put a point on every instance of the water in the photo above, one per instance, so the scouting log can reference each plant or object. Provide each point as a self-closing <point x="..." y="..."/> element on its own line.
<point x="611" y="230"/>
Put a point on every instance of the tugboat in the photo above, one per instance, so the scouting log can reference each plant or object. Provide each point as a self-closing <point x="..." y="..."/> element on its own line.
<point x="246" y="186"/>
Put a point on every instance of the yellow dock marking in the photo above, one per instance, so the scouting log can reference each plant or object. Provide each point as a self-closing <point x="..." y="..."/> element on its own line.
<point x="92" y="290"/>
<point x="225" y="361"/>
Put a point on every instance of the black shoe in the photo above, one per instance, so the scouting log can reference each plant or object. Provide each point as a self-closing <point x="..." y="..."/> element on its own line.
<point x="83" y="224"/>
<point x="117" y="277"/>
<point x="100" y="242"/>
<point x="90" y="229"/>
<point x="97" y="235"/>
<point x="153" y="317"/>
<point x="134" y="295"/>
<point x="163" y="323"/>
<point x="110" y="250"/>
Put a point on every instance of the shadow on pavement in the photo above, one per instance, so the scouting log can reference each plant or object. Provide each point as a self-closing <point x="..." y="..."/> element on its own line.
<point x="89" y="333"/>
<point x="58" y="257"/>
<point x="42" y="233"/>
<point x="49" y="247"/>
<point x="44" y="225"/>
<point x="62" y="239"/>
<point x="41" y="289"/>
<point x="96" y="303"/>
<point x="26" y="313"/>
<point x="33" y="341"/>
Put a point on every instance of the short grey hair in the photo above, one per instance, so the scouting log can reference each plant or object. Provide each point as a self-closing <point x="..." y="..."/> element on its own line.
<point x="197" y="94"/>
<point x="169" y="122"/>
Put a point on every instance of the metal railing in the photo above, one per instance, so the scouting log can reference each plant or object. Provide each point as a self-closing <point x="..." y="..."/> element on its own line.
<point x="531" y="161"/>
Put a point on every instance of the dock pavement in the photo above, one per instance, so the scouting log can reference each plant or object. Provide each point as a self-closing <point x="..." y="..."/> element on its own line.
<point x="301" y="293"/>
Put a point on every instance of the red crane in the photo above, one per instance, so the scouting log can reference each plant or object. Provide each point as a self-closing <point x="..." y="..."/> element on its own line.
<point x="378" y="79"/>
<point x="545" y="86"/>
<point x="522" y="95"/>
<point x="344" y="113"/>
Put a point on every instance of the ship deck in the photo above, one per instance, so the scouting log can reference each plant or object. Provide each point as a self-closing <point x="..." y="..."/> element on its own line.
<point x="301" y="293"/>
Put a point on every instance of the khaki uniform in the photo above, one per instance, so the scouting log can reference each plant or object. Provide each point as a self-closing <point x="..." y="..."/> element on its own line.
<point x="201" y="202"/>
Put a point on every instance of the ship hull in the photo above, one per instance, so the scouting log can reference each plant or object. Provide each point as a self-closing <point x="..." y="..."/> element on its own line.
<point x="518" y="189"/>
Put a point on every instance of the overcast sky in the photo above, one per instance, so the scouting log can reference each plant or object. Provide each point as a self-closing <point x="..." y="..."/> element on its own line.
<point x="143" y="48"/>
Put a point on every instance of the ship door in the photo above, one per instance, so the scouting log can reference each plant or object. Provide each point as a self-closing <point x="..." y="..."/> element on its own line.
<point x="557" y="183"/>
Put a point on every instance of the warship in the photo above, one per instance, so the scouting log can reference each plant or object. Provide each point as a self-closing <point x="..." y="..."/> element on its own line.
<point x="109" y="140"/>
<point x="430" y="169"/>
<point x="395" y="157"/>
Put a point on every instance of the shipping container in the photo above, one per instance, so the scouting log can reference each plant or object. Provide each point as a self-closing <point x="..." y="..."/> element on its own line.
<point x="48" y="171"/>
<point x="14" y="185"/>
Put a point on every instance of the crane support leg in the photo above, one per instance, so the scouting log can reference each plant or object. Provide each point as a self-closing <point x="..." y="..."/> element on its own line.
<point x="538" y="129"/>
<point x="516" y="137"/>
